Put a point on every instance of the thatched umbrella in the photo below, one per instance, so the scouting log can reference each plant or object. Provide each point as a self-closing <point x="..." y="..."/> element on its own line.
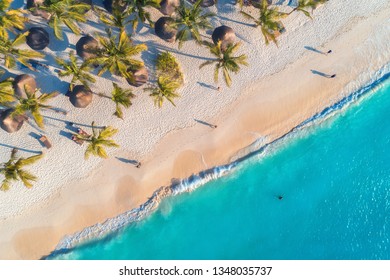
<point x="119" y="4"/>
<point x="140" y="77"/>
<point x="85" y="47"/>
<point x="163" y="30"/>
<point x="37" y="38"/>
<point x="204" y="3"/>
<point x="37" y="12"/>
<point x="21" y="82"/>
<point x="168" y="7"/>
<point x="225" y="34"/>
<point x="11" y="124"/>
<point x="80" y="96"/>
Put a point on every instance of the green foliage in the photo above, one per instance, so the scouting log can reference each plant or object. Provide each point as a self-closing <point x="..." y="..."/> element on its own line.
<point x="189" y="20"/>
<point x="136" y="10"/>
<point x="10" y="19"/>
<point x="79" y="72"/>
<point x="98" y="141"/>
<point x="6" y="92"/>
<point x="67" y="12"/>
<point x="121" y="97"/>
<point x="167" y="65"/>
<point x="165" y="89"/>
<point x="303" y="5"/>
<point x="268" y="20"/>
<point x="10" y="54"/>
<point x="12" y="170"/>
<point x="33" y="104"/>
<point x="116" y="55"/>
<point x="115" y="19"/>
<point x="225" y="61"/>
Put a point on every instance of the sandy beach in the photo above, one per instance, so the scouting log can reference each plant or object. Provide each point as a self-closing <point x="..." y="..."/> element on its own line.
<point x="280" y="89"/>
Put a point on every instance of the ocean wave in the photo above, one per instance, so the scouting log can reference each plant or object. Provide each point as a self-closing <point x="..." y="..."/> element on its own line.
<point x="193" y="182"/>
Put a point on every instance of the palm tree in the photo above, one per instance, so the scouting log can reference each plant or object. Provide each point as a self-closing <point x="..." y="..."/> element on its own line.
<point x="6" y="92"/>
<point x="121" y="97"/>
<point x="116" y="56"/>
<point x="10" y="54"/>
<point x="304" y="4"/>
<point x="67" y="12"/>
<point x="165" y="89"/>
<point x="78" y="72"/>
<point x="12" y="170"/>
<point x="10" y="19"/>
<point x="33" y="104"/>
<point x="225" y="61"/>
<point x="189" y="20"/>
<point x="268" y="20"/>
<point x="136" y="9"/>
<point x="115" y="19"/>
<point x="98" y="141"/>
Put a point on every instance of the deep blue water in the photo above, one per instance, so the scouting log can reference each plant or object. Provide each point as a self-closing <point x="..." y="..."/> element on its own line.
<point x="335" y="181"/>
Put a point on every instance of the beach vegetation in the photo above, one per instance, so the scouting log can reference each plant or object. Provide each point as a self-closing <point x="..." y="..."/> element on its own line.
<point x="121" y="97"/>
<point x="10" y="19"/>
<point x="79" y="72"/>
<point x="13" y="170"/>
<point x="116" y="55"/>
<point x="304" y="5"/>
<point x="67" y="12"/>
<point x="10" y="54"/>
<point x="268" y="20"/>
<point x="164" y="89"/>
<point x="225" y="61"/>
<point x="33" y="104"/>
<point x="189" y="20"/>
<point x="166" y="65"/>
<point x="119" y="19"/>
<point x="98" y="141"/>
<point x="6" y="92"/>
<point x="138" y="13"/>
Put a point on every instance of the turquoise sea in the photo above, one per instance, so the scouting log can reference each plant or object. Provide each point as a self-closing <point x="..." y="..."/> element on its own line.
<point x="334" y="177"/>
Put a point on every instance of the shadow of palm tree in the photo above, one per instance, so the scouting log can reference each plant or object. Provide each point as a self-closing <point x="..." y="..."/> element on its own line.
<point x="235" y="21"/>
<point x="70" y="123"/>
<point x="156" y="46"/>
<point x="20" y="149"/>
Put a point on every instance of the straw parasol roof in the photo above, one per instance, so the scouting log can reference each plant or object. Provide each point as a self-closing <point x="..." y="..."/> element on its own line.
<point x="85" y="47"/>
<point x="163" y="30"/>
<point x="37" y="38"/>
<point x="140" y="77"/>
<point x="80" y="96"/>
<point x="11" y="124"/>
<point x="204" y="3"/>
<point x="168" y="7"/>
<point x="21" y="82"/>
<point x="225" y="34"/>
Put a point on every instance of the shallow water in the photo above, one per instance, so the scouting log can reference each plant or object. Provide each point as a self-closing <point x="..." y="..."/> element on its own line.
<point x="334" y="178"/>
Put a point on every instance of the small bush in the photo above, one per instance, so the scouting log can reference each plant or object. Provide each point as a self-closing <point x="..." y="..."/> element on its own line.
<point x="167" y="66"/>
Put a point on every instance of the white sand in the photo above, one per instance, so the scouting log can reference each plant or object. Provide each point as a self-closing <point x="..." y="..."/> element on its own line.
<point x="268" y="98"/>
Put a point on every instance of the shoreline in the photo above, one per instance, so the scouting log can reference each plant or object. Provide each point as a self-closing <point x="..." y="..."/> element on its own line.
<point x="198" y="180"/>
<point x="115" y="187"/>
